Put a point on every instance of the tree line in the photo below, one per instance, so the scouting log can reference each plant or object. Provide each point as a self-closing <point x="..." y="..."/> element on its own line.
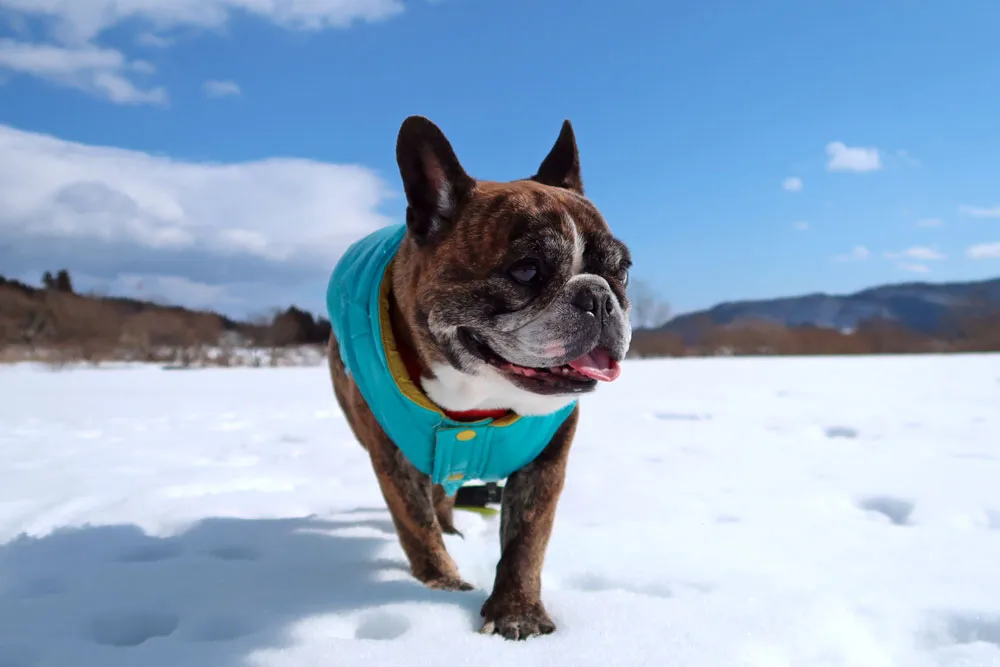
<point x="54" y="321"/>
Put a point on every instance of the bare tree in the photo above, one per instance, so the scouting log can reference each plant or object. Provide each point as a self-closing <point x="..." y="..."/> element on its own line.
<point x="649" y="311"/>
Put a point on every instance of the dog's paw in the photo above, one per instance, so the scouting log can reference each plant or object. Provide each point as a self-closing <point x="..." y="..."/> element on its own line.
<point x="448" y="584"/>
<point x="516" y="621"/>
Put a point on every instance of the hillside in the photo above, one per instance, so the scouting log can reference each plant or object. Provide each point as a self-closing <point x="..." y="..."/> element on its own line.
<point x="917" y="307"/>
<point x="53" y="318"/>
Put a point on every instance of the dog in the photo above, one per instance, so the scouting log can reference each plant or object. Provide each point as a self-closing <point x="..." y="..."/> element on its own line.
<point x="461" y="342"/>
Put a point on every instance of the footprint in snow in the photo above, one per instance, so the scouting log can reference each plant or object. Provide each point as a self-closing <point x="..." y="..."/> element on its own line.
<point x="132" y="628"/>
<point x="40" y="588"/>
<point x="841" y="432"/>
<point x="967" y="628"/>
<point x="234" y="552"/>
<point x="682" y="416"/>
<point x="150" y="553"/>
<point x="896" y="510"/>
<point x="596" y="583"/>
<point x="382" y="625"/>
<point x="221" y="628"/>
<point x="993" y="519"/>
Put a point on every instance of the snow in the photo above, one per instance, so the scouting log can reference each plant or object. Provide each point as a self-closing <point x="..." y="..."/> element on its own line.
<point x="751" y="512"/>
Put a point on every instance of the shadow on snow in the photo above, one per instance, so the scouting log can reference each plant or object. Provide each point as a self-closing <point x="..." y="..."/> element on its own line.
<point x="112" y="595"/>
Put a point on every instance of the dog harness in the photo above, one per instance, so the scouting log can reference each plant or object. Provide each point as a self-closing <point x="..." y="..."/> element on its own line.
<point x="449" y="450"/>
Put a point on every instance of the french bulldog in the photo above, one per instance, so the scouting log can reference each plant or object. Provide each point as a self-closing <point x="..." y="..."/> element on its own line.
<point x="494" y="302"/>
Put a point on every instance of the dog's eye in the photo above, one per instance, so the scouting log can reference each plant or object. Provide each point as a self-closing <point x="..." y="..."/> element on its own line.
<point x="525" y="271"/>
<point x="623" y="277"/>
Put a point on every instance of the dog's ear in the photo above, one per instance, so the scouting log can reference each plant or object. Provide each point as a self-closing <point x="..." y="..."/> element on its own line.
<point x="561" y="167"/>
<point x="435" y="183"/>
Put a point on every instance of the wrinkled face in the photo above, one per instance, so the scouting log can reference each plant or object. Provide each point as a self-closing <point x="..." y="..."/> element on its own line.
<point x="530" y="283"/>
<point x="519" y="286"/>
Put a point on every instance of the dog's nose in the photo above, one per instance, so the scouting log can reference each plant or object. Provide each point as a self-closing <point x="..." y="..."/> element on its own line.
<point x="592" y="300"/>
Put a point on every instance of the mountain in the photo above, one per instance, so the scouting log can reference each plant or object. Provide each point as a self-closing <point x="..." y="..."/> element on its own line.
<point x="917" y="306"/>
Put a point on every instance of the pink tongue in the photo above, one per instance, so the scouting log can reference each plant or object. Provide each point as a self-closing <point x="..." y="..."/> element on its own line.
<point x="597" y="365"/>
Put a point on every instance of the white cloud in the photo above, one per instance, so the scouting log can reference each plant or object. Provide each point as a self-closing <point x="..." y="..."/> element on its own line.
<point x="215" y="88"/>
<point x="914" y="268"/>
<point x="980" y="211"/>
<point x="81" y="21"/>
<point x="153" y="40"/>
<point x="159" y="289"/>
<point x="917" y="253"/>
<point x="93" y="69"/>
<point x="108" y="212"/>
<point x="857" y="254"/>
<point x="72" y="57"/>
<point x="844" y="158"/>
<point x="792" y="184"/>
<point x="930" y="222"/>
<point x="801" y="226"/>
<point x="984" y="251"/>
<point x="142" y="67"/>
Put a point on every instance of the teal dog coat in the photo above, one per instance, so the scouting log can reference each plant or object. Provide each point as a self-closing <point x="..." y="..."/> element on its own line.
<point x="451" y="452"/>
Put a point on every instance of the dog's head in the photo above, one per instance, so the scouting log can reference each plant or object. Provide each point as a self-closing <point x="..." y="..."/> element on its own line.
<point x="519" y="286"/>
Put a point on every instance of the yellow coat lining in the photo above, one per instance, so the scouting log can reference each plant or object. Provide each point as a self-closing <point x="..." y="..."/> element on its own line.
<point x="397" y="368"/>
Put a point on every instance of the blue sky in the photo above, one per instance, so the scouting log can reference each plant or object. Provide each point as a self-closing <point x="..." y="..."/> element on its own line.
<point x="223" y="152"/>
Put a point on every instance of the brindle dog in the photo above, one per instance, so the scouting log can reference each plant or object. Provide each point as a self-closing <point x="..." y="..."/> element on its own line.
<point x="510" y="296"/>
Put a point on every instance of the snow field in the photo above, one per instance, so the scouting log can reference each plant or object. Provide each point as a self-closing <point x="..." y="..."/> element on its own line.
<point x="746" y="512"/>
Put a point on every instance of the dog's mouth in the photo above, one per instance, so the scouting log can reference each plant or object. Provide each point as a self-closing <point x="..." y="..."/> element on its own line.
<point x="581" y="374"/>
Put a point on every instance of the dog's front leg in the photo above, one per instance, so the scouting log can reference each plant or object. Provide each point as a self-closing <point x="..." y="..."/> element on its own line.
<point x="514" y="608"/>
<point x="408" y="493"/>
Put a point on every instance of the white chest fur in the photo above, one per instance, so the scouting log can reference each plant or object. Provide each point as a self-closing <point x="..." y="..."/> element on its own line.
<point x="488" y="390"/>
